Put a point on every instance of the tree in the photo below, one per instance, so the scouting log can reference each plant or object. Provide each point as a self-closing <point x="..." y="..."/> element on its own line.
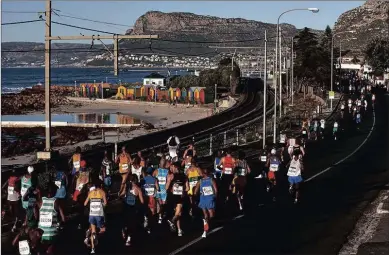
<point x="377" y="55"/>
<point x="309" y="58"/>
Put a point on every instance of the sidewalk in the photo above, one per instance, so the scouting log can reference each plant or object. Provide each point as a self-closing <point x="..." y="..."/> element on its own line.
<point x="379" y="241"/>
<point x="371" y="232"/>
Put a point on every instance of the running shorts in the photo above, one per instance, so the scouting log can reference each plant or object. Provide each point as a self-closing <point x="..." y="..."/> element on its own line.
<point x="271" y="175"/>
<point x="207" y="203"/>
<point x="98" y="221"/>
<point x="151" y="202"/>
<point x="295" y="179"/>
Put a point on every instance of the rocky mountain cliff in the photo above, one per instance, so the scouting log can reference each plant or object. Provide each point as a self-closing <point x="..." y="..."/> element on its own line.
<point x="364" y="23"/>
<point x="191" y="27"/>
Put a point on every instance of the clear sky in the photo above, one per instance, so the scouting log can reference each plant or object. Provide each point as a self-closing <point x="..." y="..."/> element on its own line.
<point x="126" y="13"/>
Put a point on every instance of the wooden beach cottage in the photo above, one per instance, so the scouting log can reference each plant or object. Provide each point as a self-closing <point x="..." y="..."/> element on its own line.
<point x="184" y="94"/>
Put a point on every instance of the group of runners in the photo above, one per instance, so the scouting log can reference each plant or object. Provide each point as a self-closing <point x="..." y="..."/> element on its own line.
<point x="156" y="187"/>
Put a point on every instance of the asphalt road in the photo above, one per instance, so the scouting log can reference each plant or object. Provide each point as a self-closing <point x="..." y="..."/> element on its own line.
<point x="333" y="197"/>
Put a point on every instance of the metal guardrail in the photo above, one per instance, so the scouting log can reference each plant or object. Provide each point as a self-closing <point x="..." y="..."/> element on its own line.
<point x="246" y="101"/>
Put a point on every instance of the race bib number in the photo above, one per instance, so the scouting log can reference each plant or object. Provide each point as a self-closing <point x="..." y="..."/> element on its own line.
<point x="150" y="191"/>
<point x="11" y="190"/>
<point x="46" y="220"/>
<point x="292" y="171"/>
<point x="242" y="171"/>
<point x="304" y="132"/>
<point x="76" y="164"/>
<point x="187" y="166"/>
<point x="207" y="191"/>
<point x="178" y="190"/>
<point x="282" y="139"/>
<point x="273" y="167"/>
<point x="162" y="180"/>
<point x="263" y="158"/>
<point x="58" y="183"/>
<point x="124" y="166"/>
<point x="342" y="107"/>
<point x="23" y="191"/>
<point x="95" y="206"/>
<point x="24" y="247"/>
<point x="107" y="169"/>
<point x="228" y="170"/>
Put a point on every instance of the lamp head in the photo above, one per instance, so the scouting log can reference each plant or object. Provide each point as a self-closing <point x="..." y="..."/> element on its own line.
<point x="314" y="10"/>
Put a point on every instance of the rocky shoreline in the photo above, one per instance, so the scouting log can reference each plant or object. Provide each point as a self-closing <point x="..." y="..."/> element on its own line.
<point x="34" y="99"/>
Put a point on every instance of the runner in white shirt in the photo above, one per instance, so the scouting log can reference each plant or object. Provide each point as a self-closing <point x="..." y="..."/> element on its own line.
<point x="173" y="143"/>
<point x="295" y="167"/>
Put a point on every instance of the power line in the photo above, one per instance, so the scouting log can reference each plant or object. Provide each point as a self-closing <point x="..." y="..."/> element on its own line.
<point x="91" y="20"/>
<point x="19" y="12"/>
<point x="21" y="22"/>
<point x="84" y="28"/>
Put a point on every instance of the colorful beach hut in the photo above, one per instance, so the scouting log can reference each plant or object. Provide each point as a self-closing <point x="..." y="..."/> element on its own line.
<point x="172" y="93"/>
<point x="184" y="94"/>
<point x="163" y="94"/>
<point x="122" y="92"/>
<point x="191" y="93"/>
<point x="198" y="94"/>
<point x="178" y="93"/>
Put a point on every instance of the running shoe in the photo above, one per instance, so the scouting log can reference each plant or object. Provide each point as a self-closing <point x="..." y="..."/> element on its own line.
<point x="180" y="232"/>
<point x="204" y="235"/>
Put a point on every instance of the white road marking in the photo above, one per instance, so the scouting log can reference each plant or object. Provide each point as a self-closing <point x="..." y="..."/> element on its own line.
<point x="380" y="210"/>
<point x="351" y="154"/>
<point x="309" y="179"/>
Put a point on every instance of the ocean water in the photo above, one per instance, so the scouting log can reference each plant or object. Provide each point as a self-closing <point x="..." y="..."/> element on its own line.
<point x="13" y="80"/>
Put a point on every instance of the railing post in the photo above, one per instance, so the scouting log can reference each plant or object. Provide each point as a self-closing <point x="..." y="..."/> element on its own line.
<point x="210" y="145"/>
<point x="103" y="135"/>
<point x="237" y="136"/>
<point x="193" y="140"/>
<point x="225" y="139"/>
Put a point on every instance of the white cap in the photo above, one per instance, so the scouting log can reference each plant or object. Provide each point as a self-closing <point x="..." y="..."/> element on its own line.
<point x="273" y="151"/>
<point x="30" y="169"/>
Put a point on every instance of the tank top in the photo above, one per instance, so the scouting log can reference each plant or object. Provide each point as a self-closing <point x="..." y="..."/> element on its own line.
<point x="82" y="179"/>
<point x="216" y="163"/>
<point x="26" y="184"/>
<point x="206" y="188"/>
<point x="228" y="165"/>
<point x="24" y="244"/>
<point x="149" y="188"/>
<point x="48" y="218"/>
<point x="130" y="195"/>
<point x="107" y="165"/>
<point x="123" y="163"/>
<point x="137" y="171"/>
<point x="193" y="177"/>
<point x="96" y="207"/>
<point x="13" y="189"/>
<point x="274" y="164"/>
<point x="77" y="161"/>
<point x="264" y="156"/>
<point x="178" y="184"/>
<point x="161" y="176"/>
<point x="242" y="167"/>
<point x="294" y="168"/>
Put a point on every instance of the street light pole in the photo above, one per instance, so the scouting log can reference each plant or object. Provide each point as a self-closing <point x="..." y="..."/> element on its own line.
<point x="278" y="41"/>
<point x="280" y="57"/>
<point x="264" y="95"/>
<point x="291" y="78"/>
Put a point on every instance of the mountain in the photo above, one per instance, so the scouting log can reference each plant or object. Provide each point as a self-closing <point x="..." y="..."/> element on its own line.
<point x="190" y="34"/>
<point x="365" y="22"/>
<point x="189" y="27"/>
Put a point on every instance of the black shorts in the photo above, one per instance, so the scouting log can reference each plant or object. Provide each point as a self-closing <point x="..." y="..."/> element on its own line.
<point x="174" y="200"/>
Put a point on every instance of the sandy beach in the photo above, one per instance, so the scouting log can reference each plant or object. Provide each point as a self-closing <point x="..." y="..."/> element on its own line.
<point x="160" y="115"/>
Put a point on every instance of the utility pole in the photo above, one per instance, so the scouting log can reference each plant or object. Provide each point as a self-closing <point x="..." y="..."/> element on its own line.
<point x="291" y="76"/>
<point x="215" y="101"/>
<point x="48" y="38"/>
<point x="48" y="76"/>
<point x="264" y="95"/>
<point x="280" y="47"/>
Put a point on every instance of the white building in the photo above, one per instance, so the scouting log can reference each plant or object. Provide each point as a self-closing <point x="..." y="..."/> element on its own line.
<point x="155" y="79"/>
